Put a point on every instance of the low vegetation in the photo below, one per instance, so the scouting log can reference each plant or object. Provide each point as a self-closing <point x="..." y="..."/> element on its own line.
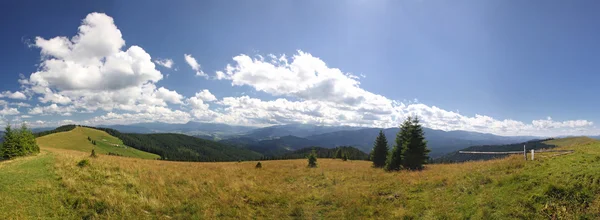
<point x="560" y="187"/>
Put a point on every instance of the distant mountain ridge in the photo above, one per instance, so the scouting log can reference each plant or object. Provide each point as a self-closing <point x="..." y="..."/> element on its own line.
<point x="277" y="139"/>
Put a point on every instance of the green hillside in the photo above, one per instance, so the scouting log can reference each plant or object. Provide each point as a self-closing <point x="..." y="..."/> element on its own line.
<point x="77" y="139"/>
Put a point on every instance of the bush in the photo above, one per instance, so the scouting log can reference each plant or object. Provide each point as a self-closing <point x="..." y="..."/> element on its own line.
<point x="83" y="163"/>
<point x="93" y="154"/>
<point x="312" y="159"/>
<point x="258" y="165"/>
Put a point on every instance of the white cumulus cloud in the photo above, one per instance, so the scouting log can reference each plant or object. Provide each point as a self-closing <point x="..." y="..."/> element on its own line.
<point x="13" y="95"/>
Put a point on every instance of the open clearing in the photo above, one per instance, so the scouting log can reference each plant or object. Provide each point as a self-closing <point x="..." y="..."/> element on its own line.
<point x="117" y="187"/>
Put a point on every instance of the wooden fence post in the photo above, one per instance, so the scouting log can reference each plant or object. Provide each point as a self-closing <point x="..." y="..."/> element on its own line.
<point x="532" y="154"/>
<point x="524" y="152"/>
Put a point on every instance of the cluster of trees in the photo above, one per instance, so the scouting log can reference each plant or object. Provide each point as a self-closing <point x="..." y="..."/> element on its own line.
<point x="349" y="152"/>
<point x="409" y="152"/>
<point x="17" y="143"/>
<point x="93" y="141"/>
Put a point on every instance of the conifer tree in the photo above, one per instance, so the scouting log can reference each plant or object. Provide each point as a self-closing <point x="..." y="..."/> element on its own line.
<point x="380" y="150"/>
<point x="345" y="156"/>
<point x="258" y="165"/>
<point x="9" y="147"/>
<point x="312" y="159"/>
<point x="394" y="159"/>
<point x="416" y="153"/>
<point x="27" y="141"/>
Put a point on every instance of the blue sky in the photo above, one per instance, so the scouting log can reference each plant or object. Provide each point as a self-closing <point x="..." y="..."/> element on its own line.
<point x="502" y="67"/>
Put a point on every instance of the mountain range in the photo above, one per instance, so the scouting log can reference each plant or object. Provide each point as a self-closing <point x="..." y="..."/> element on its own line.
<point x="278" y="139"/>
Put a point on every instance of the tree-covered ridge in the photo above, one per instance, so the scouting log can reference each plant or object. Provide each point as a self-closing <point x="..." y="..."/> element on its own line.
<point x="179" y="147"/>
<point x="351" y="152"/>
<point x="56" y="130"/>
<point x="456" y="157"/>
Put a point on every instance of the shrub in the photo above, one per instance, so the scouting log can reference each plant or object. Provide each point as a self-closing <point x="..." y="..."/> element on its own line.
<point x="312" y="159"/>
<point x="258" y="165"/>
<point x="93" y="154"/>
<point x="83" y="163"/>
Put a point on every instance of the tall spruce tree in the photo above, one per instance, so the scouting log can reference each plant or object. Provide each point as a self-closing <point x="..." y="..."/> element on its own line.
<point x="10" y="146"/>
<point x="395" y="158"/>
<point x="416" y="152"/>
<point x="380" y="150"/>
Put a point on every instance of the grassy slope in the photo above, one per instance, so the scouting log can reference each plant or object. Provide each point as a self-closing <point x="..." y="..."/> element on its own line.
<point x="29" y="189"/>
<point x="565" y="186"/>
<point x="76" y="139"/>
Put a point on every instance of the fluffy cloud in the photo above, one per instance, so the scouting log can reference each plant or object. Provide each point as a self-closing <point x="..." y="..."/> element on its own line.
<point x="93" y="71"/>
<point x="13" y="95"/>
<point x="153" y="114"/>
<point x="169" y="96"/>
<point x="167" y="63"/>
<point x="52" y="109"/>
<point x="194" y="65"/>
<point x="8" y="111"/>
<point x="20" y="104"/>
<point x="205" y="95"/>
<point x="303" y="76"/>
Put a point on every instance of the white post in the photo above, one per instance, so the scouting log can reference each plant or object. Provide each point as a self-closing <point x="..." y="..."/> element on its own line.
<point x="532" y="154"/>
<point x="524" y="152"/>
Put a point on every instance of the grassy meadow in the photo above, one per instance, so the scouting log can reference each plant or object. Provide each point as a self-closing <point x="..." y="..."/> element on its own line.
<point x="76" y="139"/>
<point x="112" y="187"/>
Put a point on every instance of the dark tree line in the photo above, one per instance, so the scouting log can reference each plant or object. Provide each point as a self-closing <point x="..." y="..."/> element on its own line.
<point x="351" y="153"/>
<point x="17" y="143"/>
<point x="56" y="130"/>
<point x="409" y="152"/>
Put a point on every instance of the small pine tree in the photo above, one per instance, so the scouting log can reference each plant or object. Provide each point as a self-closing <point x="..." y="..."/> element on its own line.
<point x="345" y="156"/>
<point x="380" y="150"/>
<point x="312" y="159"/>
<point x="89" y="139"/>
<point x="258" y="165"/>
<point x="94" y="142"/>
<point x="394" y="159"/>
<point x="94" y="153"/>
<point x="416" y="153"/>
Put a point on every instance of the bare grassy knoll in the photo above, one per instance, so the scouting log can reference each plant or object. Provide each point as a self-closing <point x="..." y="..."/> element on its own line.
<point x="111" y="187"/>
<point x="77" y="139"/>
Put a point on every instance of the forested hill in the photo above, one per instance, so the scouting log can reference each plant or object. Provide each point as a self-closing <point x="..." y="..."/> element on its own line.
<point x="456" y="157"/>
<point x="351" y="152"/>
<point x="181" y="147"/>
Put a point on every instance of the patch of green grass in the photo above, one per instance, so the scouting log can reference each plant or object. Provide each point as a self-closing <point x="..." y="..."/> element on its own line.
<point x="76" y="139"/>
<point x="29" y="189"/>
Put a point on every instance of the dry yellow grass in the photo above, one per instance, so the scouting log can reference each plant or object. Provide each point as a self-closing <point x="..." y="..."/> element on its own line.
<point x="129" y="188"/>
<point x="134" y="188"/>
